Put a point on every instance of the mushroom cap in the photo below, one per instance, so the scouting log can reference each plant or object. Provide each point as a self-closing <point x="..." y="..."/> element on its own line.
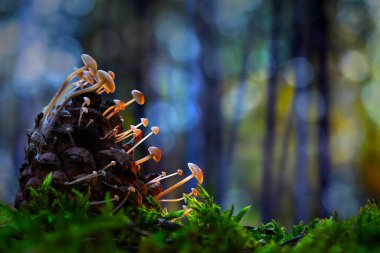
<point x="85" y="109"/>
<point x="155" y="130"/>
<point x="195" y="192"/>
<point x="138" y="96"/>
<point x="134" y="128"/>
<point x="197" y="172"/>
<point x="112" y="75"/>
<point x="90" y="63"/>
<point x="180" y="172"/>
<point x="138" y="132"/>
<point x="80" y="74"/>
<point x="117" y="101"/>
<point x="87" y="101"/>
<point x="109" y="84"/>
<point x="88" y="77"/>
<point x="156" y="153"/>
<point x="144" y="121"/>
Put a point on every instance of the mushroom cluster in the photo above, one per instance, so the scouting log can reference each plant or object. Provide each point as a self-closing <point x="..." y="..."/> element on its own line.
<point x="79" y="139"/>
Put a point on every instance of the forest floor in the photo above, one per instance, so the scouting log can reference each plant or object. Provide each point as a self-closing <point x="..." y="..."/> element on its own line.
<point x="63" y="225"/>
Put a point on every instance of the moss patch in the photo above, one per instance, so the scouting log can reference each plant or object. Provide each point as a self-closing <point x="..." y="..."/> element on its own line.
<point x="57" y="223"/>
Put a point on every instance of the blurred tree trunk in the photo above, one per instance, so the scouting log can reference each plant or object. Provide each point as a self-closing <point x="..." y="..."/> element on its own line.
<point x="301" y="99"/>
<point x="270" y="119"/>
<point x="229" y="152"/>
<point x="211" y="118"/>
<point x="321" y="48"/>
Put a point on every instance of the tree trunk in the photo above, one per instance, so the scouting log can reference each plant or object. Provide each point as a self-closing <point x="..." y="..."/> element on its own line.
<point x="323" y="90"/>
<point x="211" y="119"/>
<point x="270" y="119"/>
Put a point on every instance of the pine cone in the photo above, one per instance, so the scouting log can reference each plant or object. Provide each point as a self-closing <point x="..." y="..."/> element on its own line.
<point x="79" y="138"/>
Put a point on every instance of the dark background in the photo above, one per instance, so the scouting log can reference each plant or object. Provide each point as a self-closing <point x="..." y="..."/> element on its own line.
<point x="277" y="101"/>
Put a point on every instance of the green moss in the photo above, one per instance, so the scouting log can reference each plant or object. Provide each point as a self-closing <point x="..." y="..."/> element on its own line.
<point x="57" y="222"/>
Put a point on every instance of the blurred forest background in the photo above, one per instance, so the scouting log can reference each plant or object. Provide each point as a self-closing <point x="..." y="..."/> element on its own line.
<point x="278" y="101"/>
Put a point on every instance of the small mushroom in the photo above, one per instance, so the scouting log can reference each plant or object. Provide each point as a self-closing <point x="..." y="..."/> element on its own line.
<point x="154" y="130"/>
<point x="89" y="63"/>
<point x="195" y="172"/>
<point x="164" y="176"/>
<point x="144" y="122"/>
<point x="93" y="174"/>
<point x="104" y="81"/>
<point x="111" y="133"/>
<point x="83" y="109"/>
<point x="102" y="89"/>
<point x="130" y="190"/>
<point x="117" y="102"/>
<point x="194" y="192"/>
<point x="138" y="97"/>
<point x="69" y="130"/>
<point x="115" y="198"/>
<point x="154" y="153"/>
<point x="135" y="133"/>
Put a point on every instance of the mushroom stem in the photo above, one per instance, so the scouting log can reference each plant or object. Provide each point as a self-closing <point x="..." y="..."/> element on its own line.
<point x="67" y="100"/>
<point x="115" y="198"/>
<point x="133" y="128"/>
<point x="125" y="133"/>
<point x="144" y="159"/>
<point x="108" y="110"/>
<point x="110" y="133"/>
<point x="186" y="213"/>
<point x="125" y="137"/>
<point x="155" y="131"/>
<point x="93" y="174"/>
<point x="82" y="110"/>
<point x="111" y="164"/>
<point x="130" y="190"/>
<point x="157" y="179"/>
<point x="68" y="130"/>
<point x="193" y="192"/>
<point x="90" y="122"/>
<point x="51" y="105"/>
<point x="173" y="187"/>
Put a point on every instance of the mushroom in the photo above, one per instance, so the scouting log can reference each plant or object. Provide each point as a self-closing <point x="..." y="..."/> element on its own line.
<point x="144" y="122"/>
<point x="88" y="77"/>
<point x="104" y="81"/>
<point x="154" y="130"/>
<point x="195" y="172"/>
<point x="138" y="97"/>
<point x="193" y="192"/>
<point x="115" y="198"/>
<point x="69" y="130"/>
<point x="89" y="63"/>
<point x="116" y="103"/>
<point x="83" y="109"/>
<point x="111" y="133"/>
<point x="101" y="89"/>
<point x="93" y="174"/>
<point x="130" y="189"/>
<point x="164" y="176"/>
<point x="135" y="132"/>
<point x="154" y="153"/>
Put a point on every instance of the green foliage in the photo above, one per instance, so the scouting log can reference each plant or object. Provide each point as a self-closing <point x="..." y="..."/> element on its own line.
<point x="58" y="222"/>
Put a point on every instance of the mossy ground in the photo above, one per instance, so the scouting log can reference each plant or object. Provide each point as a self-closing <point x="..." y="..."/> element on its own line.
<point x="56" y="223"/>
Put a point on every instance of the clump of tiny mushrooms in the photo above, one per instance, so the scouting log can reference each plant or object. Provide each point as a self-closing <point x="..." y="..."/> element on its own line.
<point x="90" y="79"/>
